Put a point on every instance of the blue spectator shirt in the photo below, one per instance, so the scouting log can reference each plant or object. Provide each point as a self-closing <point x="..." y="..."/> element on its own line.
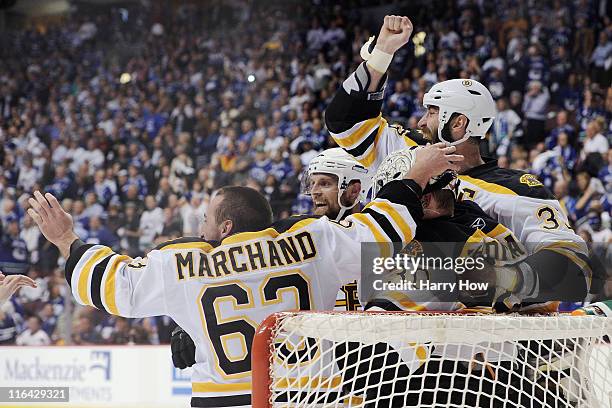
<point x="105" y="191"/>
<point x="8" y="330"/>
<point x="58" y="187"/>
<point x="260" y="170"/>
<point x="569" y="203"/>
<point x="302" y="204"/>
<point x="58" y="305"/>
<point x="139" y="182"/>
<point x="551" y="140"/>
<point x="153" y="122"/>
<point x="247" y="137"/>
<point x="537" y="69"/>
<point x="403" y="105"/>
<point x="280" y="170"/>
<point x="605" y="175"/>
<point x="102" y="236"/>
<point x="49" y="325"/>
<point x="569" y="98"/>
<point x="569" y="155"/>
<point x="13" y="255"/>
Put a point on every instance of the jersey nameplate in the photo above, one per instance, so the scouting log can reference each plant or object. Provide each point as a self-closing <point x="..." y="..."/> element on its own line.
<point x="246" y="257"/>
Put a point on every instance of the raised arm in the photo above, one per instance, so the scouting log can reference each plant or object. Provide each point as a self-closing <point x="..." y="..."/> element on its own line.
<point x="354" y="116"/>
<point x="98" y="276"/>
<point x="394" y="34"/>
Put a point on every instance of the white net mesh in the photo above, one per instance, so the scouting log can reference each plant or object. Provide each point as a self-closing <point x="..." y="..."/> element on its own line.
<point x="440" y="360"/>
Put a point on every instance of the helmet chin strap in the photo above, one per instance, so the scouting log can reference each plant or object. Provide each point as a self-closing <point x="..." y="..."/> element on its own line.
<point x="463" y="139"/>
<point x="452" y="143"/>
<point x="344" y="210"/>
<point x="456" y="142"/>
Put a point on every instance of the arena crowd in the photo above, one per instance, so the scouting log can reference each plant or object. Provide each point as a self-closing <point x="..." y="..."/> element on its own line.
<point x="133" y="116"/>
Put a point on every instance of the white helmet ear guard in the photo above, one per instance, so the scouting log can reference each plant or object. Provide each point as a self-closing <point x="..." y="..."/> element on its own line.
<point x="398" y="164"/>
<point x="467" y="97"/>
<point x="338" y="162"/>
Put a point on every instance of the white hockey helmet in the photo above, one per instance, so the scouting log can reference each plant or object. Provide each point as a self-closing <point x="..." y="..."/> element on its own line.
<point x="341" y="164"/>
<point x="398" y="164"/>
<point x="467" y="97"/>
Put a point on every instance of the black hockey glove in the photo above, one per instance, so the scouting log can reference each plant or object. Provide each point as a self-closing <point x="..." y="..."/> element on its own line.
<point x="183" y="349"/>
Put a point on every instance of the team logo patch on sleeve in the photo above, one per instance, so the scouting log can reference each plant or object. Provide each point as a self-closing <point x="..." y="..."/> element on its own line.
<point x="530" y="180"/>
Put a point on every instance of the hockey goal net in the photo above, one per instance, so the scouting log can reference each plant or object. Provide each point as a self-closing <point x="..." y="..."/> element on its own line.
<point x="403" y="359"/>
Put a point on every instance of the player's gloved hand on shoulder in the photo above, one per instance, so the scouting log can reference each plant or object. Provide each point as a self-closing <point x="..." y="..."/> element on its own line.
<point x="183" y="349"/>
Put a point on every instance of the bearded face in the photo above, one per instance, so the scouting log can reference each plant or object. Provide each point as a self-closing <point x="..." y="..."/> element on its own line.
<point x="324" y="192"/>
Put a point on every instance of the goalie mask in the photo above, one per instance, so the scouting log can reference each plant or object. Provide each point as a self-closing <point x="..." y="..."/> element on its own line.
<point x="397" y="165"/>
<point x="464" y="96"/>
<point x="338" y="163"/>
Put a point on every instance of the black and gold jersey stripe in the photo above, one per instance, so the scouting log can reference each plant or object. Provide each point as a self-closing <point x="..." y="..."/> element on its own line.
<point x="77" y="250"/>
<point x="96" y="282"/>
<point x="100" y="266"/>
<point x="356" y="123"/>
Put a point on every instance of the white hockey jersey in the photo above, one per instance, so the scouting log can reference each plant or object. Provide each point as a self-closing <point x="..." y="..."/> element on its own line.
<point x="515" y="199"/>
<point x="220" y="294"/>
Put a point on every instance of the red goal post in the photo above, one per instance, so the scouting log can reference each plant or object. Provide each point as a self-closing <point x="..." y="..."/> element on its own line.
<point x="555" y="359"/>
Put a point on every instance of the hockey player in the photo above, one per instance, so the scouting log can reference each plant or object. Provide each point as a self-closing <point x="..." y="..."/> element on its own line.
<point x="220" y="291"/>
<point x="337" y="184"/>
<point x="460" y="112"/>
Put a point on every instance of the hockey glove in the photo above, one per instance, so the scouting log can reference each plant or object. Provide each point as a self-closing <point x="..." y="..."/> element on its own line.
<point x="514" y="283"/>
<point x="183" y="349"/>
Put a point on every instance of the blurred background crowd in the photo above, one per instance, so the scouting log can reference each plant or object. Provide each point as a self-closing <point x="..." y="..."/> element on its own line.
<point x="132" y="115"/>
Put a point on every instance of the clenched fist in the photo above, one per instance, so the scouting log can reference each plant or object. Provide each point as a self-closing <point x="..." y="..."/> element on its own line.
<point x="394" y="34"/>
